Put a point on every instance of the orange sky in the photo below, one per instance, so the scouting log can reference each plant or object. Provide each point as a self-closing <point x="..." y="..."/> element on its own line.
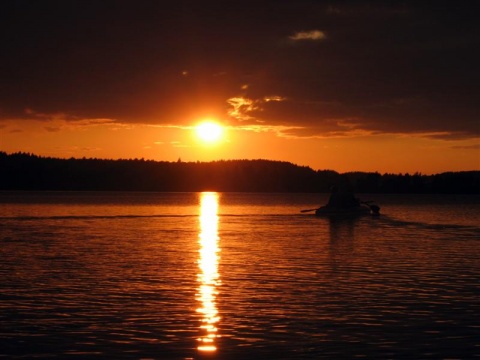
<point x="393" y="153"/>
<point x="346" y="86"/>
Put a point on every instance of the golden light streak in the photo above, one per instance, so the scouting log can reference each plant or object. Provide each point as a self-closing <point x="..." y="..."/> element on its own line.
<point x="208" y="276"/>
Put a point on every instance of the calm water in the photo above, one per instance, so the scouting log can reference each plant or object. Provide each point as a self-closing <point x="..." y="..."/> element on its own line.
<point x="237" y="276"/>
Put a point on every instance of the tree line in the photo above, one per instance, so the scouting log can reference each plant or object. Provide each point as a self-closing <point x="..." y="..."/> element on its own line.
<point x="25" y="171"/>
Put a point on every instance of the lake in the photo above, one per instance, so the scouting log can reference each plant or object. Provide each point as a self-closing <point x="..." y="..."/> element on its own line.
<point x="128" y="275"/>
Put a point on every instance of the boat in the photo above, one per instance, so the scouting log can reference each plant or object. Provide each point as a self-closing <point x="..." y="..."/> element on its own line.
<point x="360" y="210"/>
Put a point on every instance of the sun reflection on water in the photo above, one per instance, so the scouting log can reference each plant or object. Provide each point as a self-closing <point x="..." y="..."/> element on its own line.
<point x="208" y="276"/>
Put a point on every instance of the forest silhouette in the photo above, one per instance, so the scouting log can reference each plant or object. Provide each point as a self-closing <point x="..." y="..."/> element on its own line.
<point x="25" y="171"/>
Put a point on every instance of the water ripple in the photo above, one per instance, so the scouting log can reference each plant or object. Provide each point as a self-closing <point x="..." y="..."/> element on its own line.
<point x="288" y="286"/>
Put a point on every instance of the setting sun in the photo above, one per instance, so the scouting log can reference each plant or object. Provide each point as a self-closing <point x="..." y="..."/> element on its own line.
<point x="209" y="131"/>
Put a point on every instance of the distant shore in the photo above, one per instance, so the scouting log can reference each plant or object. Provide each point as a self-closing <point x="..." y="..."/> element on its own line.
<point x="24" y="171"/>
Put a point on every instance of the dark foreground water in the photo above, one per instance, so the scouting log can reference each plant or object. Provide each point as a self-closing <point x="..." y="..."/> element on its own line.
<point x="237" y="276"/>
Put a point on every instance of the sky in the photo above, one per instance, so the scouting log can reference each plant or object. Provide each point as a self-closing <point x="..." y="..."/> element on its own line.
<point x="387" y="86"/>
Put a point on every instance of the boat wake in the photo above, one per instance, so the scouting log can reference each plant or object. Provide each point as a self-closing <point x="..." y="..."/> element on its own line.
<point x="393" y="222"/>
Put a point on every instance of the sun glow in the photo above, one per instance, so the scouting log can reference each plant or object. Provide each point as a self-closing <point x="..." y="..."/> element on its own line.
<point x="209" y="131"/>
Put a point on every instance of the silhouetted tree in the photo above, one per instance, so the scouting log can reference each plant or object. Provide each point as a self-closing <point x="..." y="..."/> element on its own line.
<point x="24" y="171"/>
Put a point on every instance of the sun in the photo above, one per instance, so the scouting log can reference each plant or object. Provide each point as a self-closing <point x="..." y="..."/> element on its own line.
<point x="209" y="131"/>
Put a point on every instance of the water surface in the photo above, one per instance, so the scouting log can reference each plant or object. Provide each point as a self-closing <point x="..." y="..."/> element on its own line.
<point x="236" y="276"/>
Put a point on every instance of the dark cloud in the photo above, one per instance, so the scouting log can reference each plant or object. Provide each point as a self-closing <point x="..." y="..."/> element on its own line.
<point x="372" y="65"/>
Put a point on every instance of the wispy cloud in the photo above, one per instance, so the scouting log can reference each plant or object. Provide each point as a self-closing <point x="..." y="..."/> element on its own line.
<point x="449" y="135"/>
<point x="467" y="147"/>
<point x="241" y="108"/>
<point x="314" y="35"/>
<point x="178" y="144"/>
<point x="38" y="115"/>
<point x="95" y="122"/>
<point x="52" y="128"/>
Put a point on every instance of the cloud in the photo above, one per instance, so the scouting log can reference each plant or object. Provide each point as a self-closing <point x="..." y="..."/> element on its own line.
<point x="240" y="107"/>
<point x="315" y="35"/>
<point x="89" y="148"/>
<point x="42" y="116"/>
<point x="178" y="144"/>
<point x="52" y="128"/>
<point x="451" y="135"/>
<point x="467" y="147"/>
<point x="384" y="69"/>
<point x="321" y="119"/>
<point x="94" y="122"/>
